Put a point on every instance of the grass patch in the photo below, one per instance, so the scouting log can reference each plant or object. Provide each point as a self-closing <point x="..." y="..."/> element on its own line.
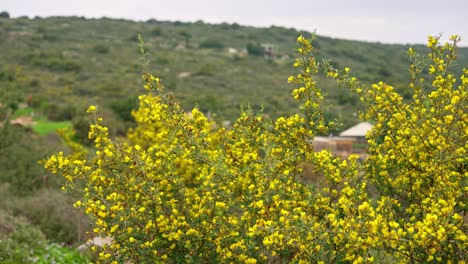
<point x="23" y="112"/>
<point x="43" y="127"/>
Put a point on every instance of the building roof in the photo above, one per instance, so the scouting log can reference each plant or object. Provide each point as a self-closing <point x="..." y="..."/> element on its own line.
<point x="359" y="130"/>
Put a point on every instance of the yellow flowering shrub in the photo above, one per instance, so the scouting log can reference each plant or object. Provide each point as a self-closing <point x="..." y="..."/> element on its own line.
<point x="181" y="189"/>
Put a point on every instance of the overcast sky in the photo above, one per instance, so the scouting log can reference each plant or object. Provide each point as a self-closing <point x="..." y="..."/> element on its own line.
<point x="386" y="21"/>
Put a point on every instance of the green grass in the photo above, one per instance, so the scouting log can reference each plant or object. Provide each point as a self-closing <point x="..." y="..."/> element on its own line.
<point x="46" y="127"/>
<point x="55" y="253"/>
<point x="23" y="112"/>
<point x="42" y="126"/>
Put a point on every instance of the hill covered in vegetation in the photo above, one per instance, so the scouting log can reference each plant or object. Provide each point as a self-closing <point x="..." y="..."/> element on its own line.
<point x="66" y="63"/>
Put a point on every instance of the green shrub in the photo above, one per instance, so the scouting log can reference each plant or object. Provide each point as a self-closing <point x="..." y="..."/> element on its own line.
<point x="212" y="44"/>
<point x="22" y="242"/>
<point x="55" y="253"/>
<point x="123" y="108"/>
<point x="156" y="32"/>
<point x="162" y="60"/>
<point x="52" y="212"/>
<point x="80" y="125"/>
<point x="101" y="49"/>
<point x="206" y="70"/>
<point x="7" y="76"/>
<point x="255" y="49"/>
<point x="4" y="14"/>
<point x="53" y="62"/>
<point x="19" y="153"/>
<point x="60" y="112"/>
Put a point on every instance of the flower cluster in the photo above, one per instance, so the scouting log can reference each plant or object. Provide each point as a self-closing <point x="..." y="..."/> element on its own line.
<point x="182" y="189"/>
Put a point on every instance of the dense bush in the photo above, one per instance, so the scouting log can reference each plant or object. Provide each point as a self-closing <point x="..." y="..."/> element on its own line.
<point x="19" y="154"/>
<point x="60" y="112"/>
<point x="80" y="126"/>
<point x="186" y="35"/>
<point x="255" y="49"/>
<point x="212" y="44"/>
<point x="206" y="70"/>
<point x="53" y="62"/>
<point x="101" y="48"/>
<point x="4" y="14"/>
<point x="51" y="210"/>
<point x="11" y="94"/>
<point x="123" y="108"/>
<point x="20" y="242"/>
<point x="156" y="32"/>
<point x="182" y="190"/>
<point x="17" y="237"/>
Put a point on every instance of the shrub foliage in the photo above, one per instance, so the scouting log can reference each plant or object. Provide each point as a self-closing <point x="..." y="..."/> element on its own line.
<point x="21" y="242"/>
<point x="181" y="189"/>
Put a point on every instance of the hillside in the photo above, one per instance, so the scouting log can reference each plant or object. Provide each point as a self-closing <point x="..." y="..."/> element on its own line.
<point x="66" y="63"/>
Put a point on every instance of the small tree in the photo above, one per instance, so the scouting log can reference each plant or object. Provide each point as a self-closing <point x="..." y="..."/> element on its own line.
<point x="4" y="14"/>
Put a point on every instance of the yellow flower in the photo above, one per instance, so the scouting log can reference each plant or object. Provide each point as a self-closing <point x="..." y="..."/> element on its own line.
<point x="259" y="203"/>
<point x="113" y="228"/>
<point x="77" y="204"/>
<point x="91" y="109"/>
<point x="250" y="261"/>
